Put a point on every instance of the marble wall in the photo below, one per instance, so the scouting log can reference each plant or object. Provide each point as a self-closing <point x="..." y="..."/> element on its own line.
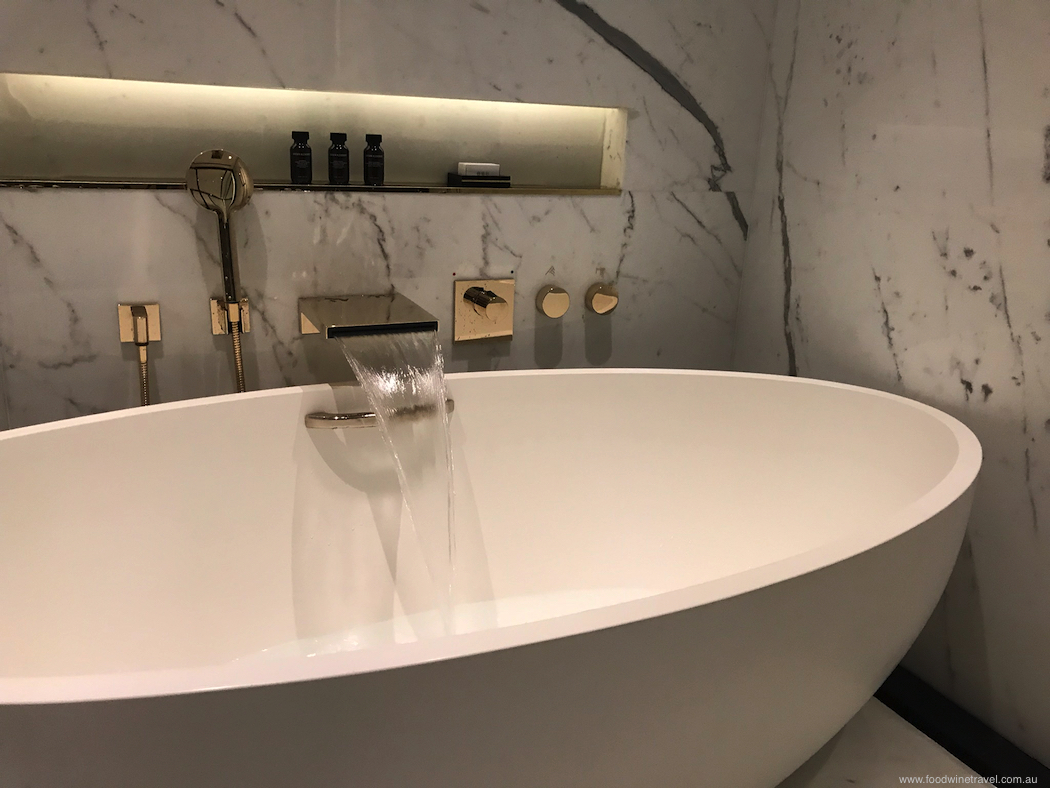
<point x="901" y="240"/>
<point x="691" y="75"/>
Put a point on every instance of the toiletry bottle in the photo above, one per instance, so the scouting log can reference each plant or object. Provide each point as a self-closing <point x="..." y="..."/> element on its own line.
<point x="301" y="158"/>
<point x="374" y="160"/>
<point x="338" y="160"/>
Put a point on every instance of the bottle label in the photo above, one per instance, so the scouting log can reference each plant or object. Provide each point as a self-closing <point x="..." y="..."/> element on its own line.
<point x="374" y="169"/>
<point x="302" y="168"/>
<point x="339" y="168"/>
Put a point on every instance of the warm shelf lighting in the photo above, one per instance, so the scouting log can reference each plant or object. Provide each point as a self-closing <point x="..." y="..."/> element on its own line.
<point x="56" y="128"/>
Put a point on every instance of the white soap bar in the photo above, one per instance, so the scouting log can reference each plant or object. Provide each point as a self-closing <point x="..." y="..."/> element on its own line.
<point x="478" y="168"/>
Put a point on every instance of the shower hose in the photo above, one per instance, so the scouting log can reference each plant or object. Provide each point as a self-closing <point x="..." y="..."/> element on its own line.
<point x="238" y="363"/>
<point x="143" y="375"/>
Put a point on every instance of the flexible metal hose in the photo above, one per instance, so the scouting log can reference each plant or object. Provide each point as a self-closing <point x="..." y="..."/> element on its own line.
<point x="143" y="375"/>
<point x="144" y="379"/>
<point x="238" y="362"/>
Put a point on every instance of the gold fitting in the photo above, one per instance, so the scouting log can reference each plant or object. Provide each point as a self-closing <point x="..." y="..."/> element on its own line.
<point x="139" y="323"/>
<point x="483" y="309"/>
<point x="552" y="301"/>
<point x="602" y="298"/>
<point x="223" y="313"/>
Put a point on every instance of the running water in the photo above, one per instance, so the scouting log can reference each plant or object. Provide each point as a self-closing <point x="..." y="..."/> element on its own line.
<point x="402" y="375"/>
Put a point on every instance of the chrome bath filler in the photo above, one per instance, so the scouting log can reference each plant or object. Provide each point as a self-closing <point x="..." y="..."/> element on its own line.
<point x="219" y="181"/>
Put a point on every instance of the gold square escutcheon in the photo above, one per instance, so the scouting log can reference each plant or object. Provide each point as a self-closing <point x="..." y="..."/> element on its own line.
<point x="473" y="322"/>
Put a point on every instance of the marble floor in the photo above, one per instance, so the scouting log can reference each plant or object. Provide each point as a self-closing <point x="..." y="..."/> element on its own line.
<point x="875" y="750"/>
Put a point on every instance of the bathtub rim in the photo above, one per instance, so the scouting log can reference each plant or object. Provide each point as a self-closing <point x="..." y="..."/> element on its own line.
<point x="285" y="670"/>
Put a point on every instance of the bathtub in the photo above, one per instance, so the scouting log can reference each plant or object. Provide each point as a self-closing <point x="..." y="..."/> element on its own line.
<point x="662" y="579"/>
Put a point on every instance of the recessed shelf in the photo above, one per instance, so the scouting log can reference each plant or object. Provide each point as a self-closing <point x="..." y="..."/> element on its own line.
<point x="81" y="132"/>
<point x="394" y="188"/>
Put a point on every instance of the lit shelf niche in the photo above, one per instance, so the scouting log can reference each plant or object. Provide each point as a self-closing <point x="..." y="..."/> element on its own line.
<point x="79" y="131"/>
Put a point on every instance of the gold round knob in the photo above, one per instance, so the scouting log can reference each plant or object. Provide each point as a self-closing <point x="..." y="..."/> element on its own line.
<point x="602" y="298"/>
<point x="552" y="301"/>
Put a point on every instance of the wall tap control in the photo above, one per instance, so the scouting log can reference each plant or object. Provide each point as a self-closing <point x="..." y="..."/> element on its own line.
<point x="140" y="324"/>
<point x="602" y="298"/>
<point x="483" y="309"/>
<point x="552" y="301"/>
<point x="222" y="314"/>
<point x="486" y="303"/>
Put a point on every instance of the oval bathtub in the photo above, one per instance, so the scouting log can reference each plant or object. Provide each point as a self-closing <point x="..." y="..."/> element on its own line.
<point x="663" y="579"/>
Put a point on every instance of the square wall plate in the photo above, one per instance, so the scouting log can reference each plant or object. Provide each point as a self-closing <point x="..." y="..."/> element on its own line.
<point x="470" y="322"/>
<point x="127" y="322"/>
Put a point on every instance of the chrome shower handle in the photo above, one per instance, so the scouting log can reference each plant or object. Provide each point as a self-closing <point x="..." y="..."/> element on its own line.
<point x="228" y="255"/>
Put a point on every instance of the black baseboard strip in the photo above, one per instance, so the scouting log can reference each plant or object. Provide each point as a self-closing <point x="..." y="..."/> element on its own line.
<point x="958" y="731"/>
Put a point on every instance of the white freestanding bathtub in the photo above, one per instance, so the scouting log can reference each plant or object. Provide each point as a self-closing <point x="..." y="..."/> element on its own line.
<point x="663" y="578"/>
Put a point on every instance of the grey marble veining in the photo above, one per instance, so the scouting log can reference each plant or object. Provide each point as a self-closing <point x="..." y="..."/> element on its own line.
<point x="690" y="76"/>
<point x="900" y="240"/>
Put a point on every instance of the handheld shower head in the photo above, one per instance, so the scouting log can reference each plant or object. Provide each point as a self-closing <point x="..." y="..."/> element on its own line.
<point x="219" y="181"/>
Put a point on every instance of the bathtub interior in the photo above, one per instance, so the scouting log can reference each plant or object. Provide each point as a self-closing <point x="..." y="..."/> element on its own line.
<point x="218" y="530"/>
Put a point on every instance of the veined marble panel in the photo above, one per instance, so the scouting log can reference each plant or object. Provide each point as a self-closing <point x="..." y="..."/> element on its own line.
<point x="690" y="74"/>
<point x="675" y="257"/>
<point x="901" y="239"/>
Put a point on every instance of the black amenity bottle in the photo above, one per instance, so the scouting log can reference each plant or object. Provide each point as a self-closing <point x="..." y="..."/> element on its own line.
<point x="338" y="160"/>
<point x="374" y="160"/>
<point x="301" y="158"/>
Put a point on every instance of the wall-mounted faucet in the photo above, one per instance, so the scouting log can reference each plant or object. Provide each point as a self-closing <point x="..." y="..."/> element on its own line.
<point x="219" y="181"/>
<point x="333" y="317"/>
<point x="360" y="315"/>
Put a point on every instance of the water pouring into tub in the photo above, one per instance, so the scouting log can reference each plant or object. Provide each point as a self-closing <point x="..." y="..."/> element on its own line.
<point x="403" y="378"/>
<point x="395" y="582"/>
<point x="406" y="568"/>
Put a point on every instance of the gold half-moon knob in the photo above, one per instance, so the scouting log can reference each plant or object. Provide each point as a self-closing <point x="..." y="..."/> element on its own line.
<point x="602" y="298"/>
<point x="552" y="301"/>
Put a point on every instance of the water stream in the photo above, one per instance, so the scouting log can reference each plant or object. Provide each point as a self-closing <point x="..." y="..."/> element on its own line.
<point x="403" y="377"/>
